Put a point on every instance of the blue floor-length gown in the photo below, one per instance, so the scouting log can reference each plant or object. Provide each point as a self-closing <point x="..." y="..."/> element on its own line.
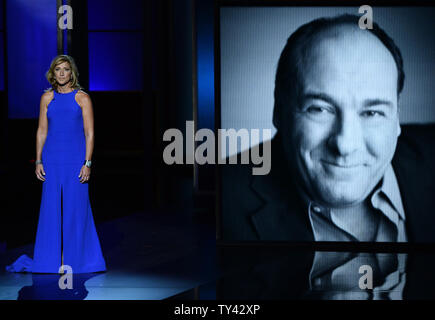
<point x="66" y="230"/>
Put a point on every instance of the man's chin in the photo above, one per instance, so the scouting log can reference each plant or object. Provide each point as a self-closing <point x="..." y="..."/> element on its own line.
<point x="343" y="196"/>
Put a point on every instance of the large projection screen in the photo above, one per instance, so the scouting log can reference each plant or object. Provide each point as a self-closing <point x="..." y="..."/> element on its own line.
<point x="315" y="190"/>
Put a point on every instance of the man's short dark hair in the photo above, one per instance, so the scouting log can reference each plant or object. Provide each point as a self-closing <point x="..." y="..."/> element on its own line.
<point x="287" y="70"/>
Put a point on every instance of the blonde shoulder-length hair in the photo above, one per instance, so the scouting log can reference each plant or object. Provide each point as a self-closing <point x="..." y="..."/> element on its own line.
<point x="74" y="74"/>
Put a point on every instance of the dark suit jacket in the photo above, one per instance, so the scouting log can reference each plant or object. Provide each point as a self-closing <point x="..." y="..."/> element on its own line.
<point x="269" y="208"/>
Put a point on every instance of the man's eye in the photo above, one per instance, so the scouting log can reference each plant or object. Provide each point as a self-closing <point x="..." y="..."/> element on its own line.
<point x="317" y="110"/>
<point x="372" y="114"/>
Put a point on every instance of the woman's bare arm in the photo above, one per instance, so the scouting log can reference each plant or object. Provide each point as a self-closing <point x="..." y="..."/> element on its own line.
<point x="85" y="102"/>
<point x="41" y="133"/>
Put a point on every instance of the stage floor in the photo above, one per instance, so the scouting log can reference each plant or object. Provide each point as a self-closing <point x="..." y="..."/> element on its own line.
<point x="149" y="256"/>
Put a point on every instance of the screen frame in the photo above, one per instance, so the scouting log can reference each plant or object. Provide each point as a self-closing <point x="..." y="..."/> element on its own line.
<point x="311" y="245"/>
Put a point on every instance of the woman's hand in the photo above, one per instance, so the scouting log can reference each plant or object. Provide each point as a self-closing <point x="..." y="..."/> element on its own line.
<point x="39" y="171"/>
<point x="85" y="173"/>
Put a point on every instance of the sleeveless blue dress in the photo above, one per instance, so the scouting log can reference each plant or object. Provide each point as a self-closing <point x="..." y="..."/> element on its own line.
<point x="66" y="233"/>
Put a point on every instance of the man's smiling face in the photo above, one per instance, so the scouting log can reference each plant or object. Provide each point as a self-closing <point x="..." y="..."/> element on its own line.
<point x="341" y="130"/>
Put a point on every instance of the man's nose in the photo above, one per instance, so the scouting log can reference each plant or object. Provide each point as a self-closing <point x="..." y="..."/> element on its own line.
<point x="347" y="135"/>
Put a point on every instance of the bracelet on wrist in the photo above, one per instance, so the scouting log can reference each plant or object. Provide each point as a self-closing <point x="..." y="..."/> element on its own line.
<point x="38" y="162"/>
<point x="88" y="163"/>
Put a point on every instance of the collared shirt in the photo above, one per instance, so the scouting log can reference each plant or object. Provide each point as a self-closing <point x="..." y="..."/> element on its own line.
<point x="329" y="226"/>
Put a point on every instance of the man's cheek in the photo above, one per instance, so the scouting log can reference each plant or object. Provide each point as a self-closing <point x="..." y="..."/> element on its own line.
<point x="312" y="138"/>
<point x="381" y="143"/>
<point x="311" y="150"/>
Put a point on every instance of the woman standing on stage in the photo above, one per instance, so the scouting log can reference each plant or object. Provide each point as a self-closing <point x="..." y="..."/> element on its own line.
<point x="66" y="234"/>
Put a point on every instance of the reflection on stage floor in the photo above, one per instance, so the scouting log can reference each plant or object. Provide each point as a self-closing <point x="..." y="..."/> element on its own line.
<point x="289" y="272"/>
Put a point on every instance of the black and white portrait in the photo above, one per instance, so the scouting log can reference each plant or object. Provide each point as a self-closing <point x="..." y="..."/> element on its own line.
<point x="351" y="110"/>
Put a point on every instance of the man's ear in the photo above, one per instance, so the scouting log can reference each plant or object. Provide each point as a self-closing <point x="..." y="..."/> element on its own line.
<point x="276" y="115"/>
<point x="399" y="129"/>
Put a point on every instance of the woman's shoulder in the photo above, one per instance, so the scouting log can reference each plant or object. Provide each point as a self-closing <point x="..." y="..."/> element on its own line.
<point x="82" y="97"/>
<point x="82" y="93"/>
<point x="48" y="94"/>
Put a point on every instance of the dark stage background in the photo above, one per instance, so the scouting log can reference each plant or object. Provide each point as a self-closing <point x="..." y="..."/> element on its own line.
<point x="148" y="66"/>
